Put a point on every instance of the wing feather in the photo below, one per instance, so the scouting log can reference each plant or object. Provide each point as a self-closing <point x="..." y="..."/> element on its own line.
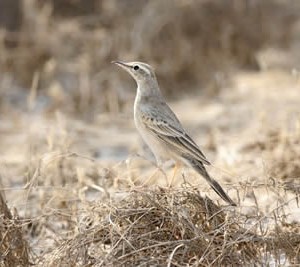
<point x="175" y="137"/>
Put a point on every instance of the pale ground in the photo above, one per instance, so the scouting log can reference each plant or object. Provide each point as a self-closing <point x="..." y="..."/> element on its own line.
<point x="251" y="106"/>
<point x="47" y="161"/>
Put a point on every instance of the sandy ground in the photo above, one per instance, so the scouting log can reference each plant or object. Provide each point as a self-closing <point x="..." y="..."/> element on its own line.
<point x="81" y="187"/>
<point x="48" y="161"/>
<point x="253" y="105"/>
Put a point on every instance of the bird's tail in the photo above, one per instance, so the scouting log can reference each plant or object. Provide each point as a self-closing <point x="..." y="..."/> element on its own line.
<point x="199" y="167"/>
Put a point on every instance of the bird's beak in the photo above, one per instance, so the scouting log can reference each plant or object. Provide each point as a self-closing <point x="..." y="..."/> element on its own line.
<point x="122" y="64"/>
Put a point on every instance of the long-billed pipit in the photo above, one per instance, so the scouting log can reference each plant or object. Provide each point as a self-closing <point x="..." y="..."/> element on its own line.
<point x="160" y="128"/>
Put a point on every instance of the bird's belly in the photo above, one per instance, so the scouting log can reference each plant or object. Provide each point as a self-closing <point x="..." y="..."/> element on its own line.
<point x="157" y="147"/>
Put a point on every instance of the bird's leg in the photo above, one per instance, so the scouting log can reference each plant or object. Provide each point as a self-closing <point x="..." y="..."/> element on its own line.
<point x="150" y="177"/>
<point x="159" y="165"/>
<point x="175" y="169"/>
<point x="159" y="168"/>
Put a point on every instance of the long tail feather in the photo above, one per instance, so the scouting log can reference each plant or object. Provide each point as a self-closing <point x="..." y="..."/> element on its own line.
<point x="199" y="167"/>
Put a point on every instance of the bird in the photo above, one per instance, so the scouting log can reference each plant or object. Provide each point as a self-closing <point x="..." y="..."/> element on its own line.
<point x="160" y="128"/>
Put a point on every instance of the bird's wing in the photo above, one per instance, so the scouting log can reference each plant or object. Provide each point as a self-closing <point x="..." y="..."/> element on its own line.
<point x="174" y="135"/>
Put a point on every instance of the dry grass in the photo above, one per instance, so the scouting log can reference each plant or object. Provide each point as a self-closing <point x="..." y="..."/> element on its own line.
<point x="165" y="227"/>
<point x="13" y="246"/>
<point x="79" y="190"/>
<point x="281" y="150"/>
<point x="161" y="227"/>
<point x="133" y="224"/>
<point x="194" y="45"/>
<point x="285" y="150"/>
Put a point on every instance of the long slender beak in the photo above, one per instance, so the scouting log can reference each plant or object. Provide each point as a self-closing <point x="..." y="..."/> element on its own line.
<point x="121" y="63"/>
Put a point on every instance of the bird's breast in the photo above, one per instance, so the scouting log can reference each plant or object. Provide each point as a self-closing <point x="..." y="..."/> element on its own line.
<point x="153" y="142"/>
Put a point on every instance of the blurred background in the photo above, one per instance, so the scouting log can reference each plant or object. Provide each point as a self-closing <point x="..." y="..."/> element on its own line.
<point x="228" y="68"/>
<point x="57" y="53"/>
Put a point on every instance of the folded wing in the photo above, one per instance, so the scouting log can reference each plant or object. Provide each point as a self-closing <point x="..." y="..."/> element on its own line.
<point x="175" y="137"/>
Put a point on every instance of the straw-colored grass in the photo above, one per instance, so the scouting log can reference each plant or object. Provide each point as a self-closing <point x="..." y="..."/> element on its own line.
<point x="79" y="189"/>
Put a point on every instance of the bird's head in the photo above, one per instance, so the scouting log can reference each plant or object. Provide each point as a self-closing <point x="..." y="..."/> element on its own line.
<point x="141" y="72"/>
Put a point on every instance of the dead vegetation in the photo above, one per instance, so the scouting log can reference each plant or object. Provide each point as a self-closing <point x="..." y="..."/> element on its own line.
<point x="281" y="150"/>
<point x="195" y="45"/>
<point x="78" y="191"/>
<point x="133" y="224"/>
<point x="14" y="249"/>
<point x="165" y="227"/>
<point x="285" y="150"/>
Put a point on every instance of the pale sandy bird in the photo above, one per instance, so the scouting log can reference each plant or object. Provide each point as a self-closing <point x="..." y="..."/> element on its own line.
<point x="160" y="128"/>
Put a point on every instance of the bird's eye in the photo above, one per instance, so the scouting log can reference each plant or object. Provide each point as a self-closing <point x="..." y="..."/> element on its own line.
<point x="136" y="67"/>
